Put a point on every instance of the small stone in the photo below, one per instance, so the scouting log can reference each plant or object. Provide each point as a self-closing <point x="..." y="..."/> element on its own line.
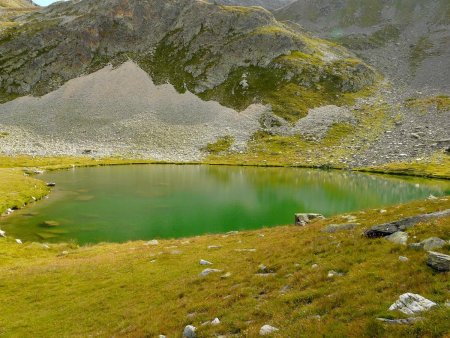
<point x="204" y="262"/>
<point x="433" y="243"/>
<point x="333" y="273"/>
<point x="18" y="241"/>
<point x="409" y="320"/>
<point x="263" y="269"/>
<point x="403" y="258"/>
<point x="215" y="321"/>
<point x="314" y="266"/>
<point x="245" y="250"/>
<point x="51" y="184"/>
<point x="152" y="242"/>
<point x="162" y="336"/>
<point x="214" y="246"/>
<point x="189" y="331"/>
<point x="206" y="272"/>
<point x="438" y="261"/>
<point x="411" y="303"/>
<point x="398" y="237"/>
<point x="432" y="197"/>
<point x="382" y="211"/>
<point x="2" y="233"/>
<point x="234" y="232"/>
<point x="267" y="329"/>
<point x="226" y="275"/>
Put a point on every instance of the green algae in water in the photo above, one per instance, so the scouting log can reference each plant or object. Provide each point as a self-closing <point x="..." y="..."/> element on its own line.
<point x="122" y="203"/>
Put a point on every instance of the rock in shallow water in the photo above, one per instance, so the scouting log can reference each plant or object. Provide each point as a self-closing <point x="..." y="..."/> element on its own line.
<point x="438" y="261"/>
<point x="411" y="303"/>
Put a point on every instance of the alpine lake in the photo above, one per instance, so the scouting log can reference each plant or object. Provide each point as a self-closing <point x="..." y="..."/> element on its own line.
<point x="143" y="202"/>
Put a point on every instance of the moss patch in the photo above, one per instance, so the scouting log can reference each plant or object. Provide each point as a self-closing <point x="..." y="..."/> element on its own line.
<point x="441" y="103"/>
<point x="223" y="144"/>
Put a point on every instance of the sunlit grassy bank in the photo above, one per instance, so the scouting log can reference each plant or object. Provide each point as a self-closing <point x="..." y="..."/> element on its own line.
<point x="137" y="290"/>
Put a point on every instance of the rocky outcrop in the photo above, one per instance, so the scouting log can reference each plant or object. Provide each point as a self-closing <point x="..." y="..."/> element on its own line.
<point x="305" y="218"/>
<point x="387" y="229"/>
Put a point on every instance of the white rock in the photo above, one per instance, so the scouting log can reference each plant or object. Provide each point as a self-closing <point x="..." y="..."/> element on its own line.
<point x="152" y="242"/>
<point x="18" y="241"/>
<point x="432" y="197"/>
<point x="398" y="237"/>
<point x="189" y="331"/>
<point x="162" y="336"/>
<point x="203" y="262"/>
<point x="382" y="211"/>
<point x="333" y="273"/>
<point x="267" y="329"/>
<point x="226" y="275"/>
<point x="314" y="266"/>
<point x="215" y="321"/>
<point x="411" y="303"/>
<point x="2" y="233"/>
<point x="206" y="272"/>
<point x="403" y="258"/>
<point x="214" y="246"/>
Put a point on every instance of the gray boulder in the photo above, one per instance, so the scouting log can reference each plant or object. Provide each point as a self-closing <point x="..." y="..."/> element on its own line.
<point x="398" y="237"/>
<point x="305" y="218"/>
<point x="411" y="303"/>
<point x="432" y="243"/>
<point x="438" y="261"/>
<point x="204" y="262"/>
<point x="189" y="331"/>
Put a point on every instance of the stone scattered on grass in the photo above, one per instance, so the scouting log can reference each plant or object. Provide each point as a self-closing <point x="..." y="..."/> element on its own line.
<point x="314" y="266"/>
<point x="398" y="237"/>
<point x="18" y="241"/>
<point x="410" y="320"/>
<point x="204" y="262"/>
<point x="305" y="218"/>
<point x="214" y="246"/>
<point x="432" y="243"/>
<point x="333" y="273"/>
<point x="411" y="303"/>
<point x="152" y="242"/>
<point x="215" y="321"/>
<point x="331" y="228"/>
<point x="189" y="331"/>
<point x="226" y="275"/>
<point x="267" y="329"/>
<point x="285" y="289"/>
<point x="403" y="258"/>
<point x="2" y="233"/>
<point x="245" y="250"/>
<point x="438" y="261"/>
<point x="208" y="271"/>
<point x="162" y="336"/>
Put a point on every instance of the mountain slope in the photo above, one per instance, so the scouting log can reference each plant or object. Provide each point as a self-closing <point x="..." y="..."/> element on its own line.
<point x="407" y="40"/>
<point x="15" y="4"/>
<point x="234" y="55"/>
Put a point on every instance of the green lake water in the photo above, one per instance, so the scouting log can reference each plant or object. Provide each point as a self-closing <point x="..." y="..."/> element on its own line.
<point x="121" y="203"/>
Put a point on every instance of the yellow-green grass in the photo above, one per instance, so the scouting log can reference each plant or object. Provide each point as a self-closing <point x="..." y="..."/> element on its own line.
<point x="438" y="166"/>
<point x="136" y="290"/>
<point x="17" y="190"/>
<point x="441" y="103"/>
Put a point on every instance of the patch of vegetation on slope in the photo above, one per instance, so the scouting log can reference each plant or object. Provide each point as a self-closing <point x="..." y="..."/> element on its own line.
<point x="340" y="144"/>
<point x="440" y="102"/>
<point x="136" y="289"/>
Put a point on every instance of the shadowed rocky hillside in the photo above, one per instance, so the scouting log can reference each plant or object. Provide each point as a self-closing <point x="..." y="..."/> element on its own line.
<point x="408" y="40"/>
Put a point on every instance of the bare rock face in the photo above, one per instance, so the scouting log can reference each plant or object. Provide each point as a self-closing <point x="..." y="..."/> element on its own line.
<point x="411" y="303"/>
<point x="438" y="261"/>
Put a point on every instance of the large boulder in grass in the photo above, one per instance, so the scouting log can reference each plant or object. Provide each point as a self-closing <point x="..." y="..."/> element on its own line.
<point x="412" y="303"/>
<point x="438" y="261"/>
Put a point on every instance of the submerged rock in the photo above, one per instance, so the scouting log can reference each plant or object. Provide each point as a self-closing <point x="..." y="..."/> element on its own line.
<point x="267" y="329"/>
<point x="438" y="261"/>
<point x="51" y="223"/>
<point x="411" y="303"/>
